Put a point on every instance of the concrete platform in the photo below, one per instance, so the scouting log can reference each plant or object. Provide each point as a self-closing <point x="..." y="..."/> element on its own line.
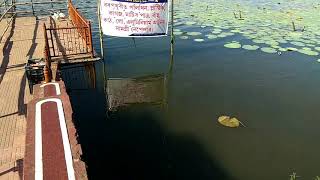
<point x="23" y="40"/>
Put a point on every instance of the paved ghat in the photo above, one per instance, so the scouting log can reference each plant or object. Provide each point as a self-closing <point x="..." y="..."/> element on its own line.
<point x="20" y="136"/>
<point x="23" y="40"/>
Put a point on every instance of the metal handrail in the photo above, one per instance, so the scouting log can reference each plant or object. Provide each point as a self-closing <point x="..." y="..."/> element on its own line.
<point x="79" y="21"/>
<point x="6" y="12"/>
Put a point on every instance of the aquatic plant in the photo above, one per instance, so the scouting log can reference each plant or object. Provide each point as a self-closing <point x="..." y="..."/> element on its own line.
<point x="282" y="25"/>
<point x="294" y="176"/>
<point x="233" y="45"/>
<point x="250" y="47"/>
<point x="268" y="50"/>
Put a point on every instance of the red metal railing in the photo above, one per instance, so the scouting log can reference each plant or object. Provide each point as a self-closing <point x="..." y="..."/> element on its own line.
<point x="74" y="40"/>
<point x="84" y="25"/>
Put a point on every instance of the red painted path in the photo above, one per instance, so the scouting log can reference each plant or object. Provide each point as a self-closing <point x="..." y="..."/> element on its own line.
<point x="52" y="151"/>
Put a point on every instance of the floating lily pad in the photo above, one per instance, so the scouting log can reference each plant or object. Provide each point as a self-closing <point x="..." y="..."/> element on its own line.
<point x="222" y="35"/>
<point x="199" y="40"/>
<point x="296" y="43"/>
<point x="233" y="45"/>
<point x="308" y="52"/>
<point x="250" y="47"/>
<point x="282" y="49"/>
<point x="317" y="48"/>
<point x="268" y="50"/>
<point x="211" y="36"/>
<point x="258" y="41"/>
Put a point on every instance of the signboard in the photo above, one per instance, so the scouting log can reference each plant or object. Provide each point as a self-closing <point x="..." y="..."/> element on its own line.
<point x="134" y="18"/>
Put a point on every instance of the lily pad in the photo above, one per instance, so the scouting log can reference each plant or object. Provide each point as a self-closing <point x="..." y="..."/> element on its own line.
<point x="250" y="47"/>
<point x="233" y="45"/>
<point x="297" y="43"/>
<point x="198" y="40"/>
<point x="258" y="41"/>
<point x="211" y="36"/>
<point x="308" y="52"/>
<point x="268" y="50"/>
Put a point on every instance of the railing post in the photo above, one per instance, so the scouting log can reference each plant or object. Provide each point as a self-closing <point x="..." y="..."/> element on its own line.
<point x="90" y="39"/>
<point x="47" y="67"/>
<point x="32" y="7"/>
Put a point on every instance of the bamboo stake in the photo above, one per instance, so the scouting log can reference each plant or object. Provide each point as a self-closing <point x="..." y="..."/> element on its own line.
<point x="172" y="39"/>
<point x="105" y="78"/>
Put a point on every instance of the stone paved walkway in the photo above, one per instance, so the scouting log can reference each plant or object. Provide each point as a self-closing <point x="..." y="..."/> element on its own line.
<point x="23" y="40"/>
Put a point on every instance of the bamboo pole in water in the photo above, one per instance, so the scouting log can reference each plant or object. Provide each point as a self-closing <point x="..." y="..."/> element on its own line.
<point x="105" y="78"/>
<point x="169" y="75"/>
<point x="172" y="40"/>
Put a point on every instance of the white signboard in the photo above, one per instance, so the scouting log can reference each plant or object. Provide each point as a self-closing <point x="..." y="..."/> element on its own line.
<point x="134" y="18"/>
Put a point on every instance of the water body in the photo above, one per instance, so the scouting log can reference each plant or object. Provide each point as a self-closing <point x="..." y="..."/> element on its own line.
<point x="275" y="96"/>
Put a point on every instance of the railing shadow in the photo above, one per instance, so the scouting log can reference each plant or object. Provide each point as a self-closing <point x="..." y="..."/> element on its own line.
<point x="18" y="167"/>
<point x="6" y="51"/>
<point x="22" y="107"/>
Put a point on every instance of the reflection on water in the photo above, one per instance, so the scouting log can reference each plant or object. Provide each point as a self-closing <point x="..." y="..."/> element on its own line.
<point x="146" y="89"/>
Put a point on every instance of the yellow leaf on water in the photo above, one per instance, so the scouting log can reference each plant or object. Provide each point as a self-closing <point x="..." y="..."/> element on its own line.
<point x="229" y="122"/>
